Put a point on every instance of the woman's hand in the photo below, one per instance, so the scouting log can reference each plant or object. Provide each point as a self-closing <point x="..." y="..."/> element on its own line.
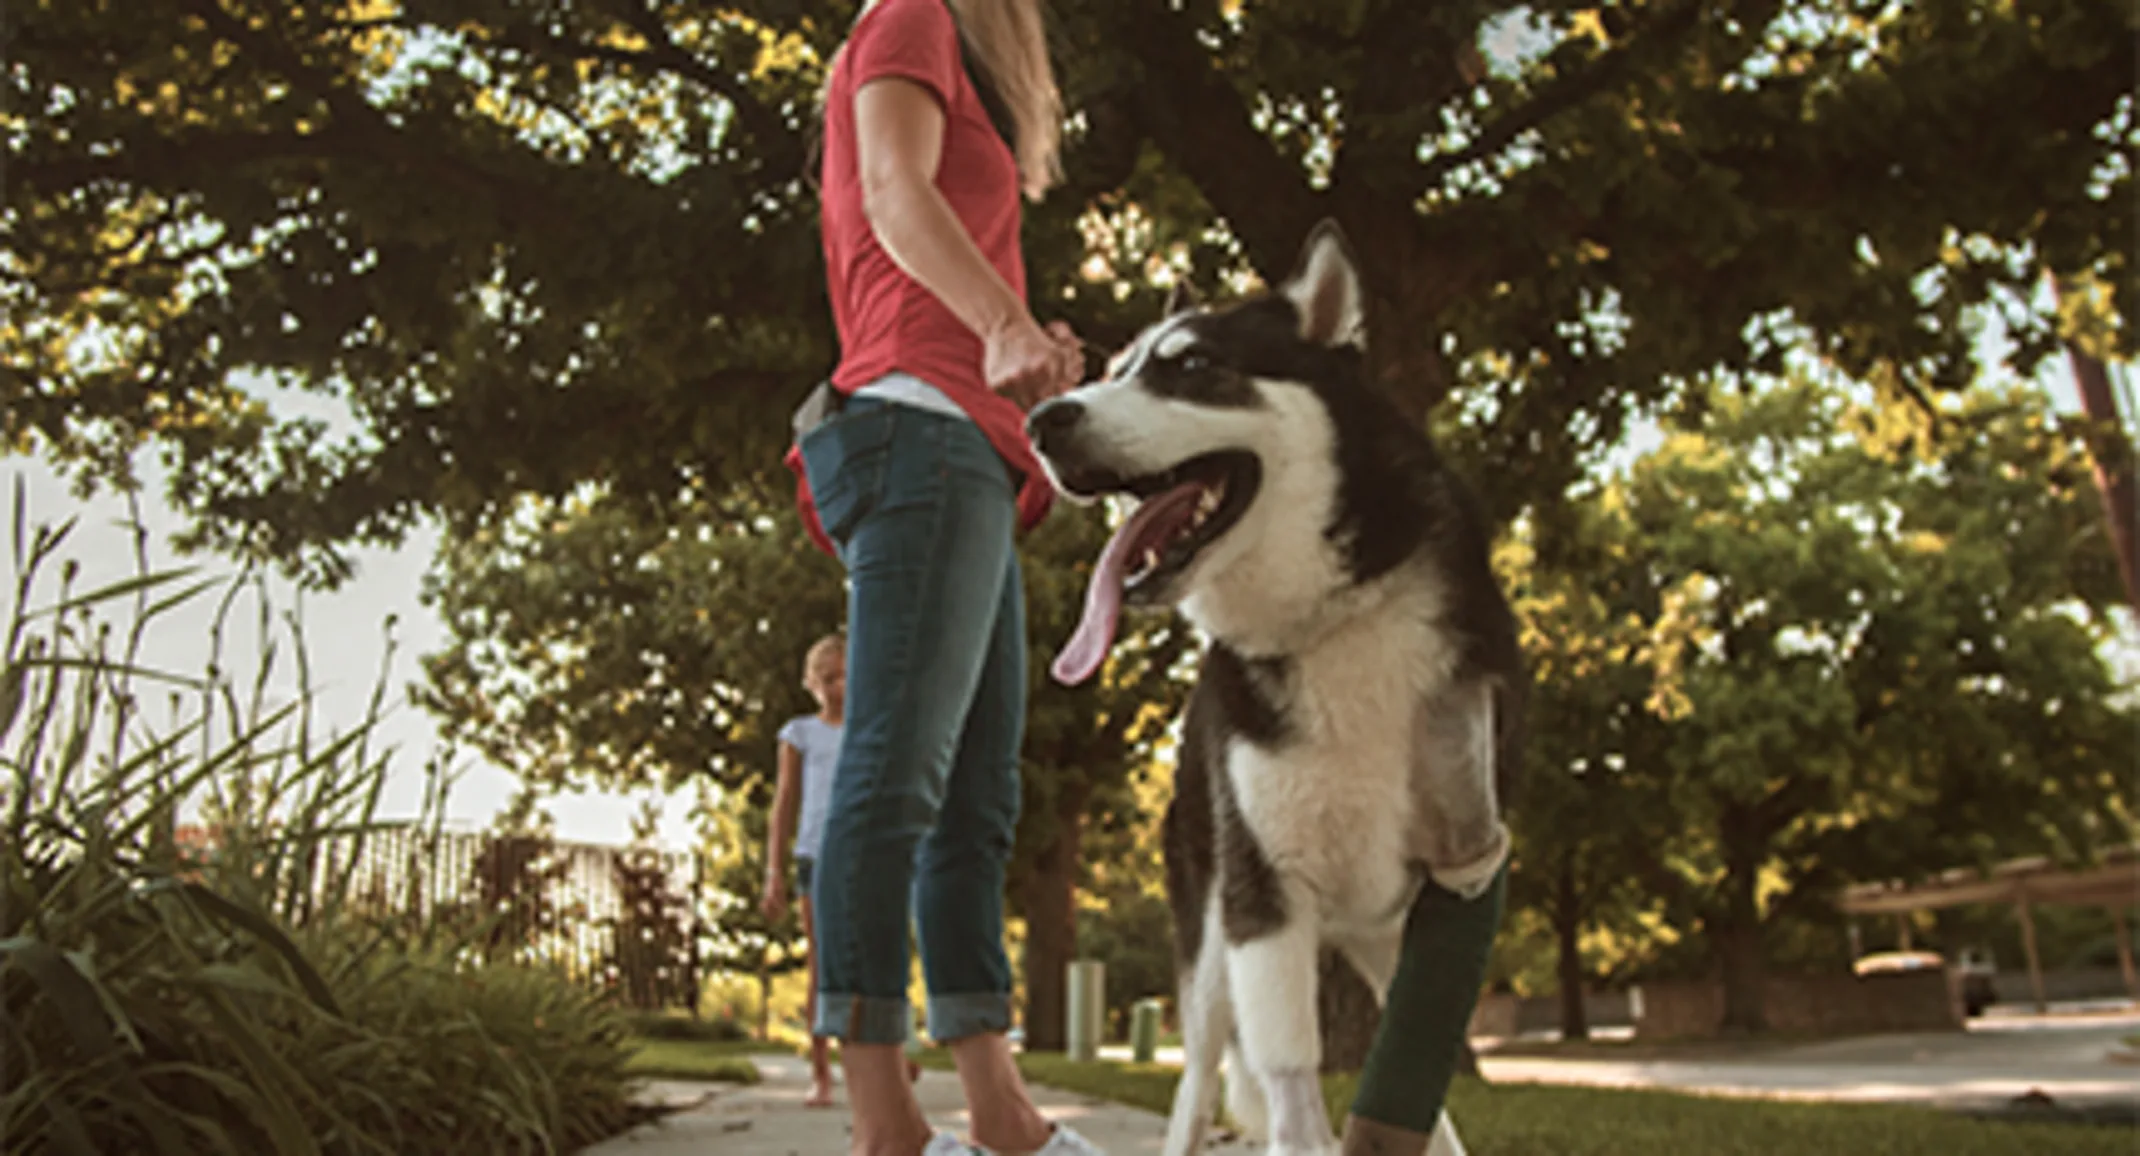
<point x="1029" y="364"/>
<point x="1073" y="354"/>
<point x="774" y="902"/>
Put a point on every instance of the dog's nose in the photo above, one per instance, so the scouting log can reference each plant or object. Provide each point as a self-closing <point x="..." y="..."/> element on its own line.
<point x="1051" y="423"/>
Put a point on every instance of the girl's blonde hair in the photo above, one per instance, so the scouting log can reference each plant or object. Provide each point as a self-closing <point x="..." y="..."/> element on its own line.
<point x="1009" y="42"/>
<point x="829" y="644"/>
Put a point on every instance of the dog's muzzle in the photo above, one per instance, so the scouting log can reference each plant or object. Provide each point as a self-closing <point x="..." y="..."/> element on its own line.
<point x="1053" y="423"/>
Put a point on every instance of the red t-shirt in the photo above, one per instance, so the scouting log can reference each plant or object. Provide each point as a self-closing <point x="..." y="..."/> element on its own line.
<point x="888" y="321"/>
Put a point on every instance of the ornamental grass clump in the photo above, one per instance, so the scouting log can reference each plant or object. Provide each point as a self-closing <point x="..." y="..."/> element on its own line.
<point x="187" y="961"/>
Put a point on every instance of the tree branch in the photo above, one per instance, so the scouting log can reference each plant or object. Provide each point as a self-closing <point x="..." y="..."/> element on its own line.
<point x="1777" y="808"/>
<point x="1200" y="121"/>
<point x="1106" y="156"/>
<point x="196" y="151"/>
<point x="369" y="128"/>
<point x="1409" y="61"/>
<point x="367" y="24"/>
<point x="763" y="124"/>
<point x="1568" y="90"/>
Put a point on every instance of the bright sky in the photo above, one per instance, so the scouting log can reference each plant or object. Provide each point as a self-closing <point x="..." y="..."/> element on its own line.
<point x="346" y="641"/>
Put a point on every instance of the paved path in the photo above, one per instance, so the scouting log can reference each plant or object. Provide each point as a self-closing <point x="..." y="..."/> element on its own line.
<point x="2074" y="1060"/>
<point x="2074" y="1063"/>
<point x="769" y="1119"/>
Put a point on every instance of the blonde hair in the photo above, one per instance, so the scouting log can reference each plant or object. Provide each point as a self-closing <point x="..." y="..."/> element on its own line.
<point x="834" y="643"/>
<point x="1009" y="41"/>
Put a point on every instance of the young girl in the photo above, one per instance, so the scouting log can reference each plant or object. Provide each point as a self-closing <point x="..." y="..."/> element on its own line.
<point x="809" y="749"/>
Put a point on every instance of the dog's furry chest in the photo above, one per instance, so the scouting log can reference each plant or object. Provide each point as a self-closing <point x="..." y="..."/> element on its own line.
<point x="1334" y="806"/>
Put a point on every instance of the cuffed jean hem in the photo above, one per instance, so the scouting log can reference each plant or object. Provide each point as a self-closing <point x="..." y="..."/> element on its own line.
<point x="863" y="1019"/>
<point x="954" y="1017"/>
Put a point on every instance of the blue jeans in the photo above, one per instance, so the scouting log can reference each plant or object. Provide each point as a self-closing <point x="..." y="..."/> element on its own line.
<point x="925" y="798"/>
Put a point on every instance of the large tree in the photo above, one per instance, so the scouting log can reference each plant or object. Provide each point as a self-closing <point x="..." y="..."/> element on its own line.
<point x="516" y="244"/>
<point x="1813" y="645"/>
<point x="347" y="264"/>
<point x="1586" y="813"/>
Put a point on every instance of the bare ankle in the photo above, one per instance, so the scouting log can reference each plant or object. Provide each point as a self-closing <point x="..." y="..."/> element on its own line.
<point x="1011" y="1124"/>
<point x="1004" y="1118"/>
<point x="888" y="1141"/>
<point x="887" y="1121"/>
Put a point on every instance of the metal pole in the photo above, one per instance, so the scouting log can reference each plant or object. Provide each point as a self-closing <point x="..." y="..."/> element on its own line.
<point x="1086" y="1009"/>
<point x="2028" y="944"/>
<point x="1144" y="1031"/>
<point x="2125" y="951"/>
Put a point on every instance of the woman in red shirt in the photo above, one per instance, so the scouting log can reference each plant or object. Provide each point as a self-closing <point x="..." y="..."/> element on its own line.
<point x="937" y="118"/>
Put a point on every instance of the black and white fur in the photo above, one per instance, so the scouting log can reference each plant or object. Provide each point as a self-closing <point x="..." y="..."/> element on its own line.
<point x="1354" y="724"/>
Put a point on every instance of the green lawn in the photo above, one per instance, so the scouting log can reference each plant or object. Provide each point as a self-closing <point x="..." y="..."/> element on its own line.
<point x="726" y="1061"/>
<point x="1535" y="1120"/>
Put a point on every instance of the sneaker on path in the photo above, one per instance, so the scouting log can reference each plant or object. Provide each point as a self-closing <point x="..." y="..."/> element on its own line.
<point x="1065" y="1142"/>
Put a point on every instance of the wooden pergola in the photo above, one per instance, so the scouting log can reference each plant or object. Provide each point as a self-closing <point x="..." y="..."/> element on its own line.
<point x="2113" y="884"/>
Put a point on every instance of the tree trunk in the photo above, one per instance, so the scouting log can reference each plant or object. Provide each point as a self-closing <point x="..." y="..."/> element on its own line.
<point x="1568" y="929"/>
<point x="1349" y="1015"/>
<point x="1739" y="948"/>
<point x="2112" y="455"/>
<point x="1744" y="976"/>
<point x="1403" y="350"/>
<point x="1051" y="927"/>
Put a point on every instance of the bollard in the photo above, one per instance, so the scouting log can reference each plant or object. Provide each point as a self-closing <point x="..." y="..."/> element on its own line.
<point x="1144" y="1030"/>
<point x="1086" y="1009"/>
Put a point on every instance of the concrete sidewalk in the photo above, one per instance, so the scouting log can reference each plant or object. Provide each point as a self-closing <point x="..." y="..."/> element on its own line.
<point x="770" y="1120"/>
<point x="2079" y="1062"/>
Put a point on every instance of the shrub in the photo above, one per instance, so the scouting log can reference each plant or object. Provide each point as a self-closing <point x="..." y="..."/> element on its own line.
<point x="166" y="995"/>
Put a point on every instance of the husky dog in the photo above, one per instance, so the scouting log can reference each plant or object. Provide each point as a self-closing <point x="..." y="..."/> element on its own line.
<point x="1354" y="723"/>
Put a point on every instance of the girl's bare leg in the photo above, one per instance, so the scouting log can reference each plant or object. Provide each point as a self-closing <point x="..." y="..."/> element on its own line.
<point x="820" y="1057"/>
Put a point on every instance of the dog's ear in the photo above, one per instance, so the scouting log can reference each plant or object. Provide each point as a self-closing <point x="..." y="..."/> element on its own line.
<point x="1325" y="289"/>
<point x="1182" y="298"/>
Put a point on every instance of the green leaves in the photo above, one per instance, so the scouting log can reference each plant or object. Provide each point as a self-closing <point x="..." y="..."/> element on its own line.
<point x="501" y="248"/>
<point x="604" y="642"/>
<point x="1776" y="647"/>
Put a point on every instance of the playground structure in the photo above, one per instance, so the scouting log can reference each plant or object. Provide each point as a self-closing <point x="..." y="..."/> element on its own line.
<point x="2113" y="884"/>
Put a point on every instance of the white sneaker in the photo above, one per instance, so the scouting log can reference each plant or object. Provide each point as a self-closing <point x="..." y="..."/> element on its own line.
<point x="1064" y="1142"/>
<point x="1061" y="1142"/>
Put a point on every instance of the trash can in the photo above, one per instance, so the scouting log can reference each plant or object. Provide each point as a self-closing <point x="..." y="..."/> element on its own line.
<point x="1144" y="1030"/>
<point x="1086" y="1009"/>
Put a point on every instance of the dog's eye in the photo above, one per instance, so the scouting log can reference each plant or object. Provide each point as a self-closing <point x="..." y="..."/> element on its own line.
<point x="1192" y="361"/>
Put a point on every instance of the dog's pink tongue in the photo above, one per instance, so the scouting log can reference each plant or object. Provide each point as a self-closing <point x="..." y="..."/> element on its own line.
<point x="1150" y="524"/>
